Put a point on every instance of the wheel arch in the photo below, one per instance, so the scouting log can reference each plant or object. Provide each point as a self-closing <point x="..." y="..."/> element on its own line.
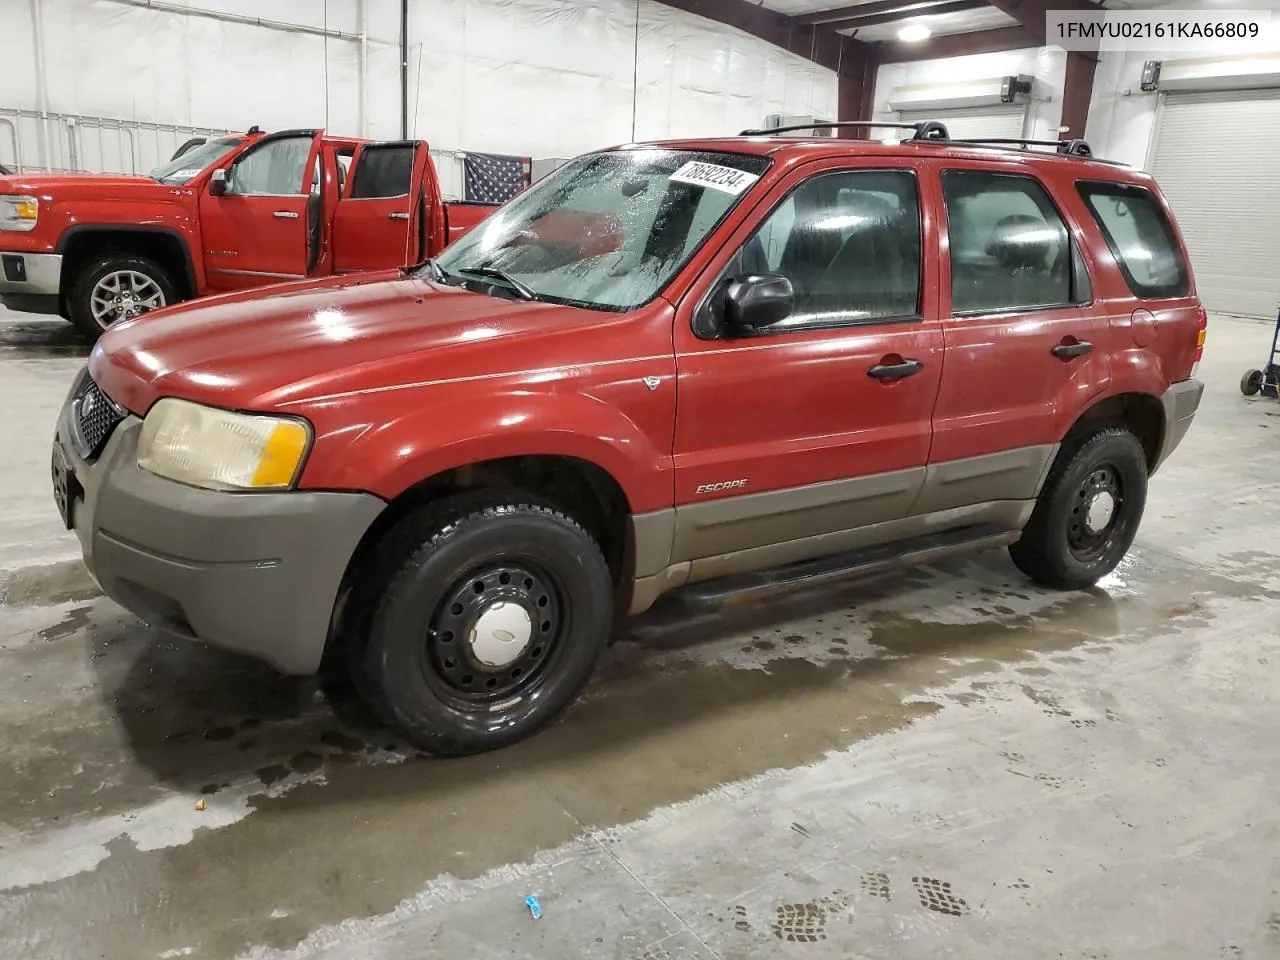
<point x="81" y="243"/>
<point x="1138" y="412"/>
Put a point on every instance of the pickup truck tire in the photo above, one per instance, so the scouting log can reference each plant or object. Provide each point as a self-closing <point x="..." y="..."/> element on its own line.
<point x="1088" y="512"/>
<point x="142" y="284"/>
<point x="495" y="611"/>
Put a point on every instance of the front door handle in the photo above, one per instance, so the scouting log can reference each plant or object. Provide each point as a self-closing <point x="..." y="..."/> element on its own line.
<point x="895" y="371"/>
<point x="285" y="215"/>
<point x="1072" y="348"/>
<point x="397" y="216"/>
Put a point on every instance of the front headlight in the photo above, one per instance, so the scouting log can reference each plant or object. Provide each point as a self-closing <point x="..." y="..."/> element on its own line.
<point x="19" y="213"/>
<point x="220" y="450"/>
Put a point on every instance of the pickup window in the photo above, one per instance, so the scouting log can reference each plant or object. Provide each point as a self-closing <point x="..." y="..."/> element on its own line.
<point x="186" y="167"/>
<point x="609" y="230"/>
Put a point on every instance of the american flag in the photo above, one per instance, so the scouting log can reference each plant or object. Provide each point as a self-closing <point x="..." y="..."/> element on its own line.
<point x="493" y="178"/>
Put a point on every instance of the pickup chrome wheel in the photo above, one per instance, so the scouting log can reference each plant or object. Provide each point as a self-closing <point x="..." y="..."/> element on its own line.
<point x="1088" y="512"/>
<point x="114" y="288"/>
<point x="486" y="614"/>
<point x="123" y="294"/>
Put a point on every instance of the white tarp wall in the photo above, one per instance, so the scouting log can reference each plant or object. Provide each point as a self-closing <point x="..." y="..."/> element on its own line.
<point x="529" y="77"/>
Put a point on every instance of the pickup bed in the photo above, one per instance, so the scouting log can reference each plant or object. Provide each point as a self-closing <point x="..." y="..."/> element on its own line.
<point x="231" y="213"/>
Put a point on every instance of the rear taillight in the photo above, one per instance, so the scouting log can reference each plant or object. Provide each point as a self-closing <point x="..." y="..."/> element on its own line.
<point x="1202" y="328"/>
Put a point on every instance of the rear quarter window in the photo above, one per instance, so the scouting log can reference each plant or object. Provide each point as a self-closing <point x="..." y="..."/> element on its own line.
<point x="1140" y="237"/>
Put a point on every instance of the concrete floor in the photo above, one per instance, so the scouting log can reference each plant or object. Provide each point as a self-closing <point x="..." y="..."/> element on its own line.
<point x="945" y="763"/>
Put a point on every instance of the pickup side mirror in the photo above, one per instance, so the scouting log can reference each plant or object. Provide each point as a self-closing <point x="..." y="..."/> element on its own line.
<point x="218" y="183"/>
<point x="759" y="301"/>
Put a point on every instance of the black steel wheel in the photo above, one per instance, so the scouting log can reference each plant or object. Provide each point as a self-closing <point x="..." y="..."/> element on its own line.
<point x="1251" y="383"/>
<point x="1088" y="512"/>
<point x="494" y="612"/>
<point x="494" y="633"/>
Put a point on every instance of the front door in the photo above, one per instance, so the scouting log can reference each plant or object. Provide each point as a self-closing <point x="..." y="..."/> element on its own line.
<point x="793" y="440"/>
<point x="381" y="218"/>
<point x="1027" y="345"/>
<point x="264" y="228"/>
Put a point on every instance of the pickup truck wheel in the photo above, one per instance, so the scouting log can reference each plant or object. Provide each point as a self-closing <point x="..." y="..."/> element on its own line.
<point x="1088" y="512"/>
<point x="491" y="623"/>
<point x="116" y="287"/>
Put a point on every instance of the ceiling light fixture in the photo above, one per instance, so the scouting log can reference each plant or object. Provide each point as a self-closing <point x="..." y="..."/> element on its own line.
<point x="914" y="33"/>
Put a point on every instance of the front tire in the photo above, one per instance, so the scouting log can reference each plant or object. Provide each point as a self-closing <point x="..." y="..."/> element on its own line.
<point x="494" y="615"/>
<point x="1088" y="513"/>
<point x="1251" y="382"/>
<point x="115" y="287"/>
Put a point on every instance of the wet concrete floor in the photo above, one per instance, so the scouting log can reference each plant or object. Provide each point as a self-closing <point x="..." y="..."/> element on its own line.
<point x="946" y="762"/>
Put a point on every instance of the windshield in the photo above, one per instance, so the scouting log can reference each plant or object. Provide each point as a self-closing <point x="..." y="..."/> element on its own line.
<point x="607" y="230"/>
<point x="184" y="169"/>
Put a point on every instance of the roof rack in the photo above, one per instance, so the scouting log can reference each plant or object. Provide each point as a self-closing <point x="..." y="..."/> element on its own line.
<point x="934" y="131"/>
<point x="925" y="130"/>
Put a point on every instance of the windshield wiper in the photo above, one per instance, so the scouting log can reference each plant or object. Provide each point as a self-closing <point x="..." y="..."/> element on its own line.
<point x="524" y="291"/>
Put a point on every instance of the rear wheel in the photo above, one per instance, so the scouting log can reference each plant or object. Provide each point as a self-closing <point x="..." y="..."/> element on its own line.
<point x="115" y="287"/>
<point x="1251" y="382"/>
<point x="491" y="622"/>
<point x="1088" y="512"/>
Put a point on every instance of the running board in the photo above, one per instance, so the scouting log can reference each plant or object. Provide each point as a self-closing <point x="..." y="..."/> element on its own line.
<point x="742" y="587"/>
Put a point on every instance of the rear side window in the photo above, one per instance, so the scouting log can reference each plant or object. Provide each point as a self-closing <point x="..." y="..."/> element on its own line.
<point x="383" y="172"/>
<point x="1140" y="237"/>
<point x="1010" y="249"/>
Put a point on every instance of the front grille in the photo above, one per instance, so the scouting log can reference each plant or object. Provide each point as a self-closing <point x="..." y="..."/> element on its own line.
<point x="93" y="416"/>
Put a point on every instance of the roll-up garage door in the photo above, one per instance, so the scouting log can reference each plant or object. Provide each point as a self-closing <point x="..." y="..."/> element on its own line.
<point x="975" y="123"/>
<point x="1216" y="161"/>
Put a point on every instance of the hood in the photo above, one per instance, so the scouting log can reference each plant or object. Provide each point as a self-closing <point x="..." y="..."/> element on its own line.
<point x="341" y="336"/>
<point x="48" y="183"/>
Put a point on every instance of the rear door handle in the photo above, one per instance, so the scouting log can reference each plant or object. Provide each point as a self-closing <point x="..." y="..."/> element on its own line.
<point x="1077" y="348"/>
<point x="397" y="216"/>
<point x="895" y="371"/>
<point x="285" y="215"/>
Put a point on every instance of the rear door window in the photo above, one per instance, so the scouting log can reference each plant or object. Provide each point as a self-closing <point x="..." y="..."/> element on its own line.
<point x="1140" y="237"/>
<point x="383" y="171"/>
<point x="1010" y="249"/>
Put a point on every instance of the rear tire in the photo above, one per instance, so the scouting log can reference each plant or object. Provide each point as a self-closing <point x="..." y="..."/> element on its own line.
<point x="494" y="614"/>
<point x="114" y="287"/>
<point x="1088" y="513"/>
<point x="1251" y="382"/>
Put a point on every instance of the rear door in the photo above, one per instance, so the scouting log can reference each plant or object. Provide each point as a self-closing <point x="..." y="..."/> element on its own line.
<point x="262" y="230"/>
<point x="1027" y="343"/>
<point x="381" y="220"/>
<point x="790" y="441"/>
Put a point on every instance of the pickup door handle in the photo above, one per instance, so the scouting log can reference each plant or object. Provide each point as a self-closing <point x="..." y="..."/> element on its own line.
<point x="895" y="371"/>
<point x="285" y="215"/>
<point x="1074" y="348"/>
<point x="397" y="216"/>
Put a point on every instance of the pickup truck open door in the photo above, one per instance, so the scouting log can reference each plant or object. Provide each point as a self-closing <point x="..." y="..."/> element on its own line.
<point x="384" y="216"/>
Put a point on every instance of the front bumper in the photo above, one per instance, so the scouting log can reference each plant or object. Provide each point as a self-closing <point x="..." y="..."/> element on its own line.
<point x="30" y="281"/>
<point x="255" y="573"/>
<point x="1180" y="402"/>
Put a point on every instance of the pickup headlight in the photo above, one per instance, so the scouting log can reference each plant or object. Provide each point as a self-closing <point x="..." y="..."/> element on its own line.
<point x="19" y="213"/>
<point x="220" y="450"/>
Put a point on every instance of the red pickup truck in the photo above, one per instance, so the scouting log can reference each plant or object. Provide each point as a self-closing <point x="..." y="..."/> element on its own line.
<point x="716" y="365"/>
<point x="234" y="212"/>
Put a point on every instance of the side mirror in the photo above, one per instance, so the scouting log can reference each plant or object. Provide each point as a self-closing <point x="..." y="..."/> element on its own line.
<point x="218" y="183"/>
<point x="759" y="301"/>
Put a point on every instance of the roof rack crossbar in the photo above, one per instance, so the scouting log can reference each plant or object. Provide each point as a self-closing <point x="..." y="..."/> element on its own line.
<point x="925" y="130"/>
<point x="1074" y="148"/>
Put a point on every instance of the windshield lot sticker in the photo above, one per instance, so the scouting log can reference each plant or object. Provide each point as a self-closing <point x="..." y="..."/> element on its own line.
<point x="714" y="176"/>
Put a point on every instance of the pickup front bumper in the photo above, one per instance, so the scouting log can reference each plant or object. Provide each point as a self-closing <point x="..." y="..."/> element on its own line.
<point x="255" y="573"/>
<point x="30" y="281"/>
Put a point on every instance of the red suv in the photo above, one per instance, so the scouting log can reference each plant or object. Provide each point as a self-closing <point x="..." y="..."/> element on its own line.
<point x="726" y="363"/>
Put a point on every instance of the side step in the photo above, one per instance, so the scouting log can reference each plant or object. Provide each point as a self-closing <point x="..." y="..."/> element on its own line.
<point x="742" y="587"/>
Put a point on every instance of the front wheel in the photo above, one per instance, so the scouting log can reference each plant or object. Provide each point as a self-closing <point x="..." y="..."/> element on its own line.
<point x="494" y="615"/>
<point x="115" y="287"/>
<point x="1251" y="382"/>
<point x="1088" y="513"/>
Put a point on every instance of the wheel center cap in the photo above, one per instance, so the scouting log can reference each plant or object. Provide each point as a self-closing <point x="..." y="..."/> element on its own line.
<point x="1101" y="509"/>
<point x="501" y="634"/>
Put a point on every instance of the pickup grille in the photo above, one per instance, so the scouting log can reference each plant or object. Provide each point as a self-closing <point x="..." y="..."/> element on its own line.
<point x="93" y="416"/>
